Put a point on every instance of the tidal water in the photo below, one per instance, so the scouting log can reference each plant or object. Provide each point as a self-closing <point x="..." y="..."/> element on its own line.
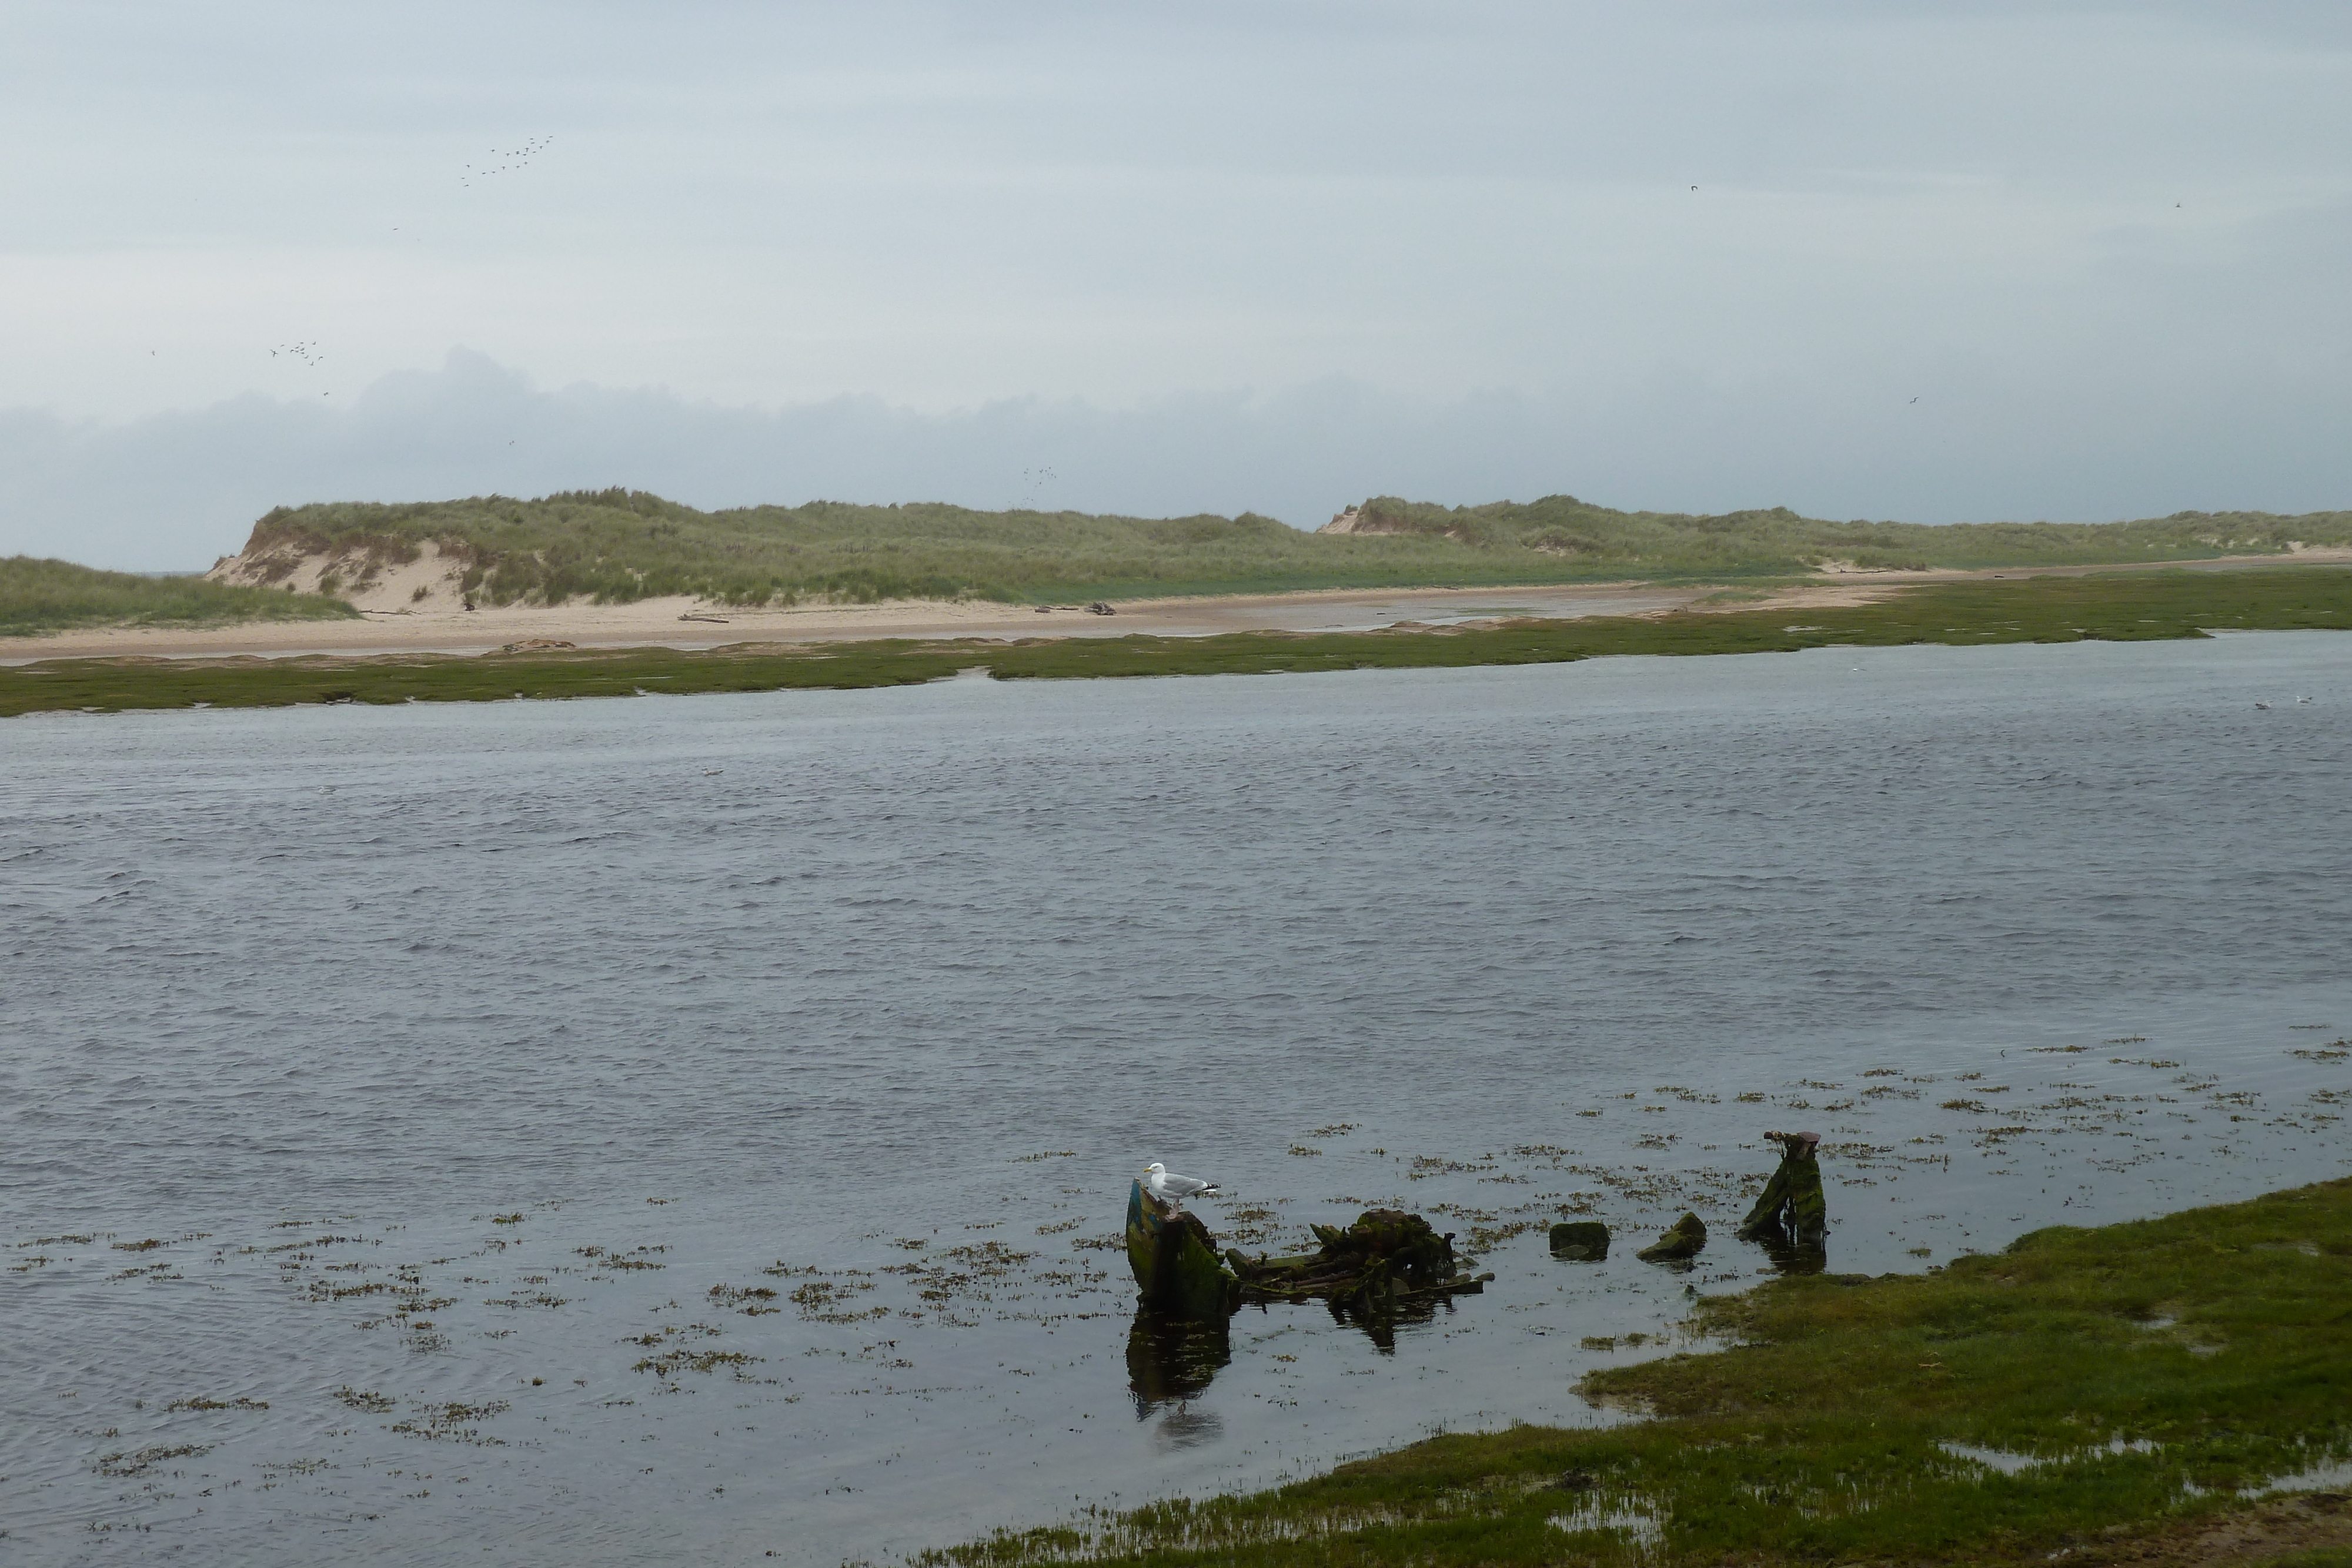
<point x="671" y="1131"/>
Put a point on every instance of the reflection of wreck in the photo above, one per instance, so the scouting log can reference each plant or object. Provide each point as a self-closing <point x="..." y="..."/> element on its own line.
<point x="1386" y="1269"/>
<point x="1171" y="1358"/>
<point x="1791" y="1219"/>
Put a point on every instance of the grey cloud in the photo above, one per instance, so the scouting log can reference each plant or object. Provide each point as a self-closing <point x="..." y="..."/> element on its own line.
<point x="917" y="246"/>
<point x="173" y="491"/>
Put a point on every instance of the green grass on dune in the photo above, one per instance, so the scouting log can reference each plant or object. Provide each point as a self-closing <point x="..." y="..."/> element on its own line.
<point x="2153" y="1371"/>
<point x="38" y="596"/>
<point x="2110" y="607"/>
<point x="615" y="546"/>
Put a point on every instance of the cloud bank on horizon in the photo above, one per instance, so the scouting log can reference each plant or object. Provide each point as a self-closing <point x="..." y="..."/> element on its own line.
<point x="1209" y="258"/>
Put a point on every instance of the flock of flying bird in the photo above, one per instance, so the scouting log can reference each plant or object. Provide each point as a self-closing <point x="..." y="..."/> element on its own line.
<point x="516" y="158"/>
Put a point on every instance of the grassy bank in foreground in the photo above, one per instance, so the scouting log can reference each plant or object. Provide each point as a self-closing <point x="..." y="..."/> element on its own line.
<point x="2118" y="607"/>
<point x="38" y="596"/>
<point x="2133" y="1378"/>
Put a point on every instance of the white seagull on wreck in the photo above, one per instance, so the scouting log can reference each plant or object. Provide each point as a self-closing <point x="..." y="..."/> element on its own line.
<point x="1173" y="1190"/>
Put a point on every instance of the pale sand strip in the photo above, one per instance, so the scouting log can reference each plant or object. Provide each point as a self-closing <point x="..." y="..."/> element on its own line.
<point x="658" y="621"/>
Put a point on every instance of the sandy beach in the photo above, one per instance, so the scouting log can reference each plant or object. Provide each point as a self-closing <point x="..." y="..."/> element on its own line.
<point x="684" y="622"/>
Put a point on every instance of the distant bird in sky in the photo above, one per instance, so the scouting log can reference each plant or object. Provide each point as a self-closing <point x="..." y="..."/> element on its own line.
<point x="1915" y="400"/>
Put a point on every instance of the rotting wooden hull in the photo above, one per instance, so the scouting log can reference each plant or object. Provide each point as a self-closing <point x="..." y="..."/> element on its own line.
<point x="1175" y="1261"/>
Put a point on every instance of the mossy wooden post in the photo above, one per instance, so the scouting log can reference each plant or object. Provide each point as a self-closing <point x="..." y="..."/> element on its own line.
<point x="1175" y="1260"/>
<point x="1792" y="1201"/>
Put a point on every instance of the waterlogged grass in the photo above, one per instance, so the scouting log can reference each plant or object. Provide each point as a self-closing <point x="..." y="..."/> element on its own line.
<point x="615" y="546"/>
<point x="2082" y="1384"/>
<point x="2114" y="607"/>
<point x="38" y="596"/>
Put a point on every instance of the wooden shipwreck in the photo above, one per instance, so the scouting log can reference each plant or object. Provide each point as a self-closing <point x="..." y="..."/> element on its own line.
<point x="1385" y="1259"/>
<point x="1175" y="1261"/>
<point x="1388" y="1267"/>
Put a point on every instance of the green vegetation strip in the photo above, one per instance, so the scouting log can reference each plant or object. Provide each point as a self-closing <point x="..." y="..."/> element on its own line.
<point x="2111" y="607"/>
<point x="38" y="595"/>
<point x="2123" y="1380"/>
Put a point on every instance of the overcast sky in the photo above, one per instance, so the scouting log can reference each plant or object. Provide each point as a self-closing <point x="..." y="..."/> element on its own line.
<point x="1169" y="258"/>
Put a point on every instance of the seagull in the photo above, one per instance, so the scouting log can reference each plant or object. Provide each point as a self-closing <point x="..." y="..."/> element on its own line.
<point x="2302" y="699"/>
<point x="1171" y="1189"/>
<point x="2264" y="706"/>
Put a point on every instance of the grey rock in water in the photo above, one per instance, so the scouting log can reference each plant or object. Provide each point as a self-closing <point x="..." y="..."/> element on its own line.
<point x="1688" y="1234"/>
<point x="1585" y="1240"/>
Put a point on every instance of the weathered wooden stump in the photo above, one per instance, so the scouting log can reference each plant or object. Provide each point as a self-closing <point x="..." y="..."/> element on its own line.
<point x="1791" y="1203"/>
<point x="1791" y="1219"/>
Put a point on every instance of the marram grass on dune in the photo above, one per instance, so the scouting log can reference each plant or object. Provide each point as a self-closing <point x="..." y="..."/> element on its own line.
<point x="39" y="595"/>
<point x="618" y="546"/>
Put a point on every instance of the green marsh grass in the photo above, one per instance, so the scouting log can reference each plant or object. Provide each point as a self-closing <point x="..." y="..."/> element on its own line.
<point x="2110" y="607"/>
<point x="2125" y="1378"/>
